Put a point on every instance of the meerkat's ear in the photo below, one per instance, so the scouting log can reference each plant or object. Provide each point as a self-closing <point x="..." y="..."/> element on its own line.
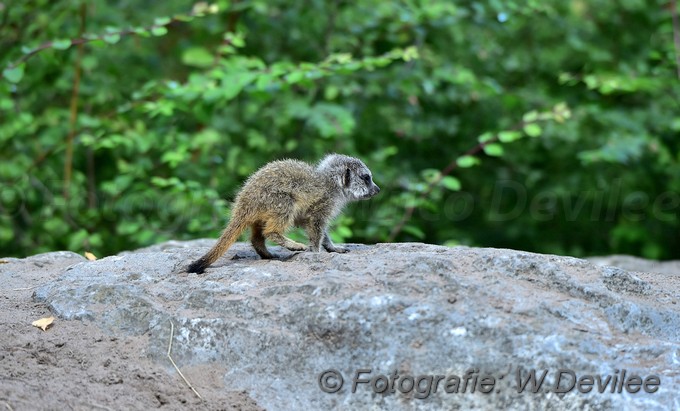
<point x="346" y="177"/>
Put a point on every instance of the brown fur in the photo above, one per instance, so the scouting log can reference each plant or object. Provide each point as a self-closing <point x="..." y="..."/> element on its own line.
<point x="290" y="193"/>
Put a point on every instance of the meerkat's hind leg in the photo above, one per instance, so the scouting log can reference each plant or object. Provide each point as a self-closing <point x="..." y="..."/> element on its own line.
<point x="273" y="231"/>
<point x="257" y="240"/>
<point x="293" y="245"/>
<point x="286" y="242"/>
<point x="329" y="246"/>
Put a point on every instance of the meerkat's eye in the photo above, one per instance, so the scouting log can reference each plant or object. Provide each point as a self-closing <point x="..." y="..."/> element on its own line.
<point x="366" y="178"/>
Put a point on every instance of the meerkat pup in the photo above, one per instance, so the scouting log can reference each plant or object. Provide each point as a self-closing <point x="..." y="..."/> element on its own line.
<point x="288" y="193"/>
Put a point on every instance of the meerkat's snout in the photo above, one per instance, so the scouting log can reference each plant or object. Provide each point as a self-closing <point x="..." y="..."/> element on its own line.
<point x="369" y="190"/>
<point x="373" y="190"/>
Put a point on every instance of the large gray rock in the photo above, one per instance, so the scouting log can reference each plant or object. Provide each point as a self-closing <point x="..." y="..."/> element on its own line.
<point x="397" y="309"/>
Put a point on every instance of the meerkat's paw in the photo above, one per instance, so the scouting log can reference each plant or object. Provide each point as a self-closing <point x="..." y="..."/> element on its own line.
<point x="264" y="253"/>
<point x="295" y="246"/>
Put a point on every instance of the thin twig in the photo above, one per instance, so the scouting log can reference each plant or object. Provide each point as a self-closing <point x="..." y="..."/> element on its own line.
<point x="47" y="45"/>
<point x="25" y="288"/>
<point x="73" y="117"/>
<point x="84" y="40"/>
<point x="172" y="333"/>
<point x="676" y="34"/>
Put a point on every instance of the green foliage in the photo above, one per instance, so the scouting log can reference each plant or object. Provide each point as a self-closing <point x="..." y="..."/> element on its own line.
<point x="548" y="126"/>
<point x="15" y="73"/>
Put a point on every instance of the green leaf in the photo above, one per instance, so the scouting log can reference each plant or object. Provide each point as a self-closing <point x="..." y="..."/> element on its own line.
<point x="235" y="39"/>
<point x="111" y="38"/>
<point x="61" y="44"/>
<point x="238" y="41"/>
<point x="14" y="74"/>
<point x="430" y="174"/>
<point x="159" y="31"/>
<point x="533" y="130"/>
<point x="265" y="81"/>
<point x="509" y="136"/>
<point x="200" y="8"/>
<point x="165" y="182"/>
<point x="530" y="116"/>
<point x="234" y="83"/>
<point x="381" y="61"/>
<point x="198" y="57"/>
<point x="173" y="158"/>
<point x="161" y="21"/>
<point x="467" y="161"/>
<point x="561" y="112"/>
<point x="494" y="150"/>
<point x="182" y="17"/>
<point x="294" y="77"/>
<point x="411" y="53"/>
<point x="142" y="31"/>
<point x="485" y="137"/>
<point x="451" y="183"/>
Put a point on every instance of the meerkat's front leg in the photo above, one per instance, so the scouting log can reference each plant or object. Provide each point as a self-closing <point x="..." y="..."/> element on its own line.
<point x="315" y="232"/>
<point x="329" y="246"/>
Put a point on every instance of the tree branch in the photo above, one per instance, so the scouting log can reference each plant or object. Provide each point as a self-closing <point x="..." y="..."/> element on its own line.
<point x="102" y="37"/>
<point x="73" y="117"/>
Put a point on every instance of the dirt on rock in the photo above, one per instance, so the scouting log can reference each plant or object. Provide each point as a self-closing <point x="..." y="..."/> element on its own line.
<point x="74" y="365"/>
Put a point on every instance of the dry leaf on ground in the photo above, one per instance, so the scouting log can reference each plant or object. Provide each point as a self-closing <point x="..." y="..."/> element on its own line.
<point x="90" y="256"/>
<point x="43" y="323"/>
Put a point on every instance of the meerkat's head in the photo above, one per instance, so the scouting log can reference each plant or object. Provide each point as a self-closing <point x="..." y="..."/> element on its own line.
<point x="350" y="174"/>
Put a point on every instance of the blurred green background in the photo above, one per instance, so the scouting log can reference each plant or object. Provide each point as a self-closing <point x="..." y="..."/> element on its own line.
<point x="124" y="124"/>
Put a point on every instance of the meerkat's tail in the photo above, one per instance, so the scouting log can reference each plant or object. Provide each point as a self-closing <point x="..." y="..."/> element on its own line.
<point x="228" y="237"/>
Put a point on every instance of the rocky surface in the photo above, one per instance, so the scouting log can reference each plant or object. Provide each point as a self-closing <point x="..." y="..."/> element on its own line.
<point x="252" y="333"/>
<point x="631" y="263"/>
